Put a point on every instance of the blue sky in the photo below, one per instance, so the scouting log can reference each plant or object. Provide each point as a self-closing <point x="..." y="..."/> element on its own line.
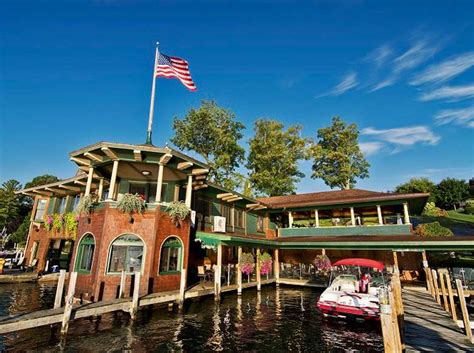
<point x="75" y="72"/>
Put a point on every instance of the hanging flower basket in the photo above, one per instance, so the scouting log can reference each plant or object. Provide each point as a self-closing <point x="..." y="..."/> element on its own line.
<point x="322" y="263"/>
<point x="48" y="223"/>
<point x="265" y="261"/>
<point x="178" y="212"/>
<point x="247" y="264"/>
<point x="86" y="205"/>
<point x="131" y="203"/>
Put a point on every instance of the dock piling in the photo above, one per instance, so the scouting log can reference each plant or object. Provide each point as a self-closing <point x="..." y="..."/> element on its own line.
<point x="182" y="288"/>
<point x="69" y="302"/>
<point x="239" y="271"/>
<point x="441" y="273"/>
<point x="60" y="289"/>
<point x="136" y="294"/>
<point x="122" y="284"/>
<point x="465" y="314"/>
<point x="454" y="315"/>
<point x="259" y="275"/>
<point x="435" y="286"/>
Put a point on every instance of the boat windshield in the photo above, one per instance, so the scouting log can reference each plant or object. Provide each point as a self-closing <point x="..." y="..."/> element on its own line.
<point x="377" y="278"/>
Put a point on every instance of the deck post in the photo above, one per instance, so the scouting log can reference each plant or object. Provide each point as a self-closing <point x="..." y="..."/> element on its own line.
<point x="113" y="180"/>
<point x="379" y="214"/>
<point x="217" y="274"/>
<point x="316" y="218"/>
<point x="443" y="289"/>
<point x="389" y="323"/>
<point x="427" y="272"/>
<point x="395" y="261"/>
<point x="290" y="219"/>
<point x="136" y="294"/>
<point x="101" y="189"/>
<point x="465" y="314"/>
<point x="259" y="275"/>
<point x="189" y="191"/>
<point x="276" y="265"/>
<point x="353" y="220"/>
<point x="398" y="304"/>
<point x="69" y="301"/>
<point x="159" y="183"/>
<point x="60" y="289"/>
<point x="451" y="297"/>
<point x="406" y="213"/>
<point x="239" y="271"/>
<point x="122" y="284"/>
<point x="182" y="288"/>
<point x="436" y="288"/>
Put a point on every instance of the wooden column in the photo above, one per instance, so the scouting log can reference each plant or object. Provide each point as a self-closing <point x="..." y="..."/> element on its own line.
<point x="182" y="288"/>
<point x="113" y="180"/>
<point x="465" y="314"/>
<point x="316" y="218"/>
<point x="159" y="183"/>
<point x="405" y="213"/>
<point x="217" y="273"/>
<point x="443" y="290"/>
<point x="89" y="181"/>
<point x="379" y="214"/>
<point x="239" y="271"/>
<point x="136" y="296"/>
<point x="290" y="219"/>
<point x="276" y="265"/>
<point x="101" y="189"/>
<point x="353" y="220"/>
<point x="259" y="275"/>
<point x="389" y="323"/>
<point x="435" y="285"/>
<point x="60" y="289"/>
<point x="69" y="301"/>
<point x="454" y="315"/>
<point x="189" y="191"/>
<point x="398" y="304"/>
<point x="395" y="260"/>
<point x="429" y="286"/>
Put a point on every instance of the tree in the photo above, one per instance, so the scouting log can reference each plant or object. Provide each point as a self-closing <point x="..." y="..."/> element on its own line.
<point x="10" y="205"/>
<point x="337" y="157"/>
<point x="38" y="181"/>
<point x="415" y="185"/>
<point x="21" y="234"/>
<point x="274" y="156"/>
<point x="451" y="192"/>
<point x="214" y="133"/>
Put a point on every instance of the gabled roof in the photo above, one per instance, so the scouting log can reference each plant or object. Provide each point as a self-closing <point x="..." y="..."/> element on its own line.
<point x="335" y="197"/>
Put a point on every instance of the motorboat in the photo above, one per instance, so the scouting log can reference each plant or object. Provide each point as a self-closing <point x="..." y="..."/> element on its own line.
<point x="353" y="294"/>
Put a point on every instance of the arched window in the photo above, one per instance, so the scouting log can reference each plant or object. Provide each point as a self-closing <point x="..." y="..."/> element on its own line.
<point x="171" y="253"/>
<point x="85" y="254"/>
<point x="126" y="254"/>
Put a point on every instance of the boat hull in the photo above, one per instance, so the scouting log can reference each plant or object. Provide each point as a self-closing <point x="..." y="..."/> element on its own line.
<point x="344" y="311"/>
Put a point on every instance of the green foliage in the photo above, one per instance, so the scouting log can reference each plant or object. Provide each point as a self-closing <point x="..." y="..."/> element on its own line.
<point x="71" y="223"/>
<point x="131" y="203"/>
<point x="10" y="206"/>
<point x="469" y="208"/>
<point x="247" y="263"/>
<point x="21" y="234"/>
<point x="178" y="211"/>
<point x="38" y="181"/>
<point x="451" y="192"/>
<point x="433" y="229"/>
<point x="418" y="185"/>
<point x="57" y="222"/>
<point x="337" y="157"/>
<point x="433" y="211"/>
<point x="86" y="204"/>
<point x="214" y="133"/>
<point x="274" y="156"/>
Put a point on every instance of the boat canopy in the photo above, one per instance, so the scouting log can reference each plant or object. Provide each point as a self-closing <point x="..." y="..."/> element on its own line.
<point x="360" y="262"/>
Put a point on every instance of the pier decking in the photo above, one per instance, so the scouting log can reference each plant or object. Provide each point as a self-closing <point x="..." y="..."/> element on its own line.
<point x="428" y="328"/>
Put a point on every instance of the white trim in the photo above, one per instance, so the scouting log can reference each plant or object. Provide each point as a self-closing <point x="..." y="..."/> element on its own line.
<point x="77" y="249"/>
<point x="161" y="248"/>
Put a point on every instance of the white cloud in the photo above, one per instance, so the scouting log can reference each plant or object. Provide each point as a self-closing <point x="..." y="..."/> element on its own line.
<point x="381" y="55"/>
<point x="417" y="54"/>
<point x="403" y="136"/>
<point x="348" y="82"/>
<point x="370" y="148"/>
<point x="449" y="92"/>
<point x="463" y="116"/>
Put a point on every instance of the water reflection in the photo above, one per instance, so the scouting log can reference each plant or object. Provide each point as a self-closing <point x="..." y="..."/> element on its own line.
<point x="277" y="319"/>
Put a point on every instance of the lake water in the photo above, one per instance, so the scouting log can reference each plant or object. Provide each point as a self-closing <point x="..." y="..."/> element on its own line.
<point x="278" y="319"/>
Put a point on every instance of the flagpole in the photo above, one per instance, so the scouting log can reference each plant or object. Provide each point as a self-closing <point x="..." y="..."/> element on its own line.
<point x="152" y="100"/>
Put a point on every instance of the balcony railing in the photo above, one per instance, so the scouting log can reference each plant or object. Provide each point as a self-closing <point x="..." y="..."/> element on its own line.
<point x="389" y="229"/>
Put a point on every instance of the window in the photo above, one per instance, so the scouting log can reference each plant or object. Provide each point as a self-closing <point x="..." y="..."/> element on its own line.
<point x="203" y="208"/>
<point x="226" y="211"/>
<point x="62" y="205"/>
<point x="75" y="202"/>
<point x="259" y="223"/>
<point x="170" y="259"/>
<point x="40" y="209"/>
<point x="139" y="189"/>
<point x="239" y="218"/>
<point x="126" y="253"/>
<point x="85" y="254"/>
<point x="152" y="193"/>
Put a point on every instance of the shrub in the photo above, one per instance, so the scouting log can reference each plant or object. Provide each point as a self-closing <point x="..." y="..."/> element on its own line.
<point x="469" y="208"/>
<point x="87" y="204"/>
<point x="57" y="222"/>
<point x="433" y="229"/>
<point x="433" y="211"/>
<point x="70" y="223"/>
<point x="265" y="261"/>
<point x="178" y="211"/>
<point x="131" y="203"/>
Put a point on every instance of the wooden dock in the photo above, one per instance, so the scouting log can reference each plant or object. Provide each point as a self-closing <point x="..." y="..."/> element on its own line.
<point x="429" y="328"/>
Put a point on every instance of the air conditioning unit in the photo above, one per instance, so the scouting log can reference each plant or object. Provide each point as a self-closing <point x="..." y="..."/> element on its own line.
<point x="219" y="224"/>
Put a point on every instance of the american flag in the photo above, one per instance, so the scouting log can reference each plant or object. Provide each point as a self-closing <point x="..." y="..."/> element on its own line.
<point x="170" y="66"/>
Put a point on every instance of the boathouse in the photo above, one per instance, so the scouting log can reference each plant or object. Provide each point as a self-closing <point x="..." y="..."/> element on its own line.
<point x="222" y="225"/>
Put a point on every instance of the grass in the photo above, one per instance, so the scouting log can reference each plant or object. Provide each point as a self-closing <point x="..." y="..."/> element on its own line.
<point x="459" y="226"/>
<point x="461" y="216"/>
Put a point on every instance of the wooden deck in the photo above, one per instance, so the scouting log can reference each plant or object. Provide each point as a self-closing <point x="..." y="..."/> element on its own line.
<point x="428" y="328"/>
